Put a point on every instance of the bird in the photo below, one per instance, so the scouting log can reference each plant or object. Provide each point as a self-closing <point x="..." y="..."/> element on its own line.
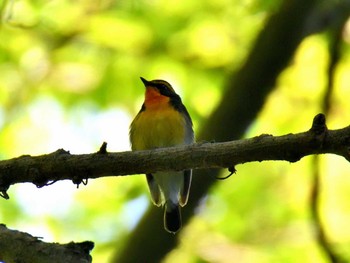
<point x="164" y="121"/>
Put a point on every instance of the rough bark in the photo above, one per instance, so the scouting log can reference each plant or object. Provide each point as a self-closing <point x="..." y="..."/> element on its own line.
<point x="17" y="247"/>
<point x="60" y="165"/>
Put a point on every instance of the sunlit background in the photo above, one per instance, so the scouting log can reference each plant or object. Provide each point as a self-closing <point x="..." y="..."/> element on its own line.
<point x="69" y="78"/>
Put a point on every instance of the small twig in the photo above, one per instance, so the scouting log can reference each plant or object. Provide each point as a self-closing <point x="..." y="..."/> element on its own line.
<point x="4" y="195"/>
<point x="232" y="170"/>
<point x="103" y="148"/>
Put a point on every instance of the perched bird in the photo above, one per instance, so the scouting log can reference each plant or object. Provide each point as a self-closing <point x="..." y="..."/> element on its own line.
<point x="163" y="121"/>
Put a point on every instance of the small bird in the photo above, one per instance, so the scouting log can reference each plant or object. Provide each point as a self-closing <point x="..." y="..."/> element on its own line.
<point x="163" y="121"/>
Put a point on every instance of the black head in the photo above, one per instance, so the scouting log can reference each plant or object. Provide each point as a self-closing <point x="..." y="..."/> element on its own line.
<point x="162" y="86"/>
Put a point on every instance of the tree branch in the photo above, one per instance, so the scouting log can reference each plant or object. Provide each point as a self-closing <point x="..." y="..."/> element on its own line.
<point x="61" y="165"/>
<point x="14" y="248"/>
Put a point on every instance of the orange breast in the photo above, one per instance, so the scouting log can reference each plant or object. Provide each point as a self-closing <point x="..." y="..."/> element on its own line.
<point x="155" y="100"/>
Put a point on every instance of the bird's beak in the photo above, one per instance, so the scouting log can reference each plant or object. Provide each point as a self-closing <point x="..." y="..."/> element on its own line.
<point x="145" y="82"/>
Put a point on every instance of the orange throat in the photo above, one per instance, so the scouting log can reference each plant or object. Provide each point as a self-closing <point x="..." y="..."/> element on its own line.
<point x="154" y="100"/>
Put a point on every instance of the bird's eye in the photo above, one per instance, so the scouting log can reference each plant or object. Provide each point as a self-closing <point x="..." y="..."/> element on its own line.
<point x="164" y="88"/>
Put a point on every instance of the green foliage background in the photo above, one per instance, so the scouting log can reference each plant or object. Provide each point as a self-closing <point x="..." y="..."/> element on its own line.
<point x="69" y="78"/>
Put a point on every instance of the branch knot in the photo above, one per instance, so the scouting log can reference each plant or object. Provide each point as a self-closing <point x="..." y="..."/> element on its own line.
<point x="319" y="129"/>
<point x="319" y="126"/>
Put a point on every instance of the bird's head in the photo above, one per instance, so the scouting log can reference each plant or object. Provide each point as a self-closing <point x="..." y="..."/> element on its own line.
<point x="158" y="92"/>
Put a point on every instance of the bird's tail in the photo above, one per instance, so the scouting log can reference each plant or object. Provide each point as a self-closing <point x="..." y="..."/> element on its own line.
<point x="172" y="217"/>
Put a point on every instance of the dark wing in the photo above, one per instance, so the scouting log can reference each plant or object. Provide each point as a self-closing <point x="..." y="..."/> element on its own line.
<point x="154" y="190"/>
<point x="185" y="190"/>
